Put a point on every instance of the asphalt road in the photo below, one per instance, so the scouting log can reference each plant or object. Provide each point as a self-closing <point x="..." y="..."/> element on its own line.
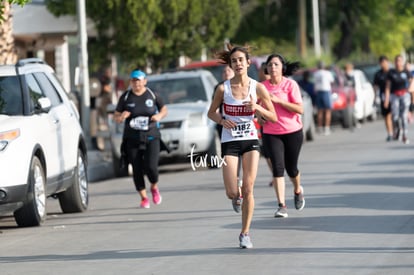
<point x="358" y="219"/>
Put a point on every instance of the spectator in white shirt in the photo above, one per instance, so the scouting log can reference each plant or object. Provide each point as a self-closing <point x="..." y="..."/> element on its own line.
<point x="323" y="81"/>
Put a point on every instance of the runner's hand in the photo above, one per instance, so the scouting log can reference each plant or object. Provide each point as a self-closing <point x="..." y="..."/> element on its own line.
<point x="251" y="104"/>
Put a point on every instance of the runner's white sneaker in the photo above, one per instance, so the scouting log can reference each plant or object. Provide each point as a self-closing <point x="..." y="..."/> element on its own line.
<point x="245" y="241"/>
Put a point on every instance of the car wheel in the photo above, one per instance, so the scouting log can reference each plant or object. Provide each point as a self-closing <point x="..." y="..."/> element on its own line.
<point x="33" y="212"/>
<point x="76" y="198"/>
<point x="348" y="119"/>
<point x="214" y="152"/>
<point x="118" y="170"/>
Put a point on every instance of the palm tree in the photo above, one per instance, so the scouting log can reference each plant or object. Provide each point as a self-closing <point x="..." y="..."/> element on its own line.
<point x="8" y="53"/>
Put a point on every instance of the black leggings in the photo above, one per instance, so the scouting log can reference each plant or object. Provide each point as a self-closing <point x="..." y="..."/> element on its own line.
<point x="144" y="161"/>
<point x="283" y="151"/>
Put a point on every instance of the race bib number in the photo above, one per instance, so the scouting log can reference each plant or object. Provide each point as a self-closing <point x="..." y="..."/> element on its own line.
<point x="243" y="129"/>
<point x="140" y="123"/>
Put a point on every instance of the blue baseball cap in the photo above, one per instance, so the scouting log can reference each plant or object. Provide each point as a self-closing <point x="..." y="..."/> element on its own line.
<point x="137" y="74"/>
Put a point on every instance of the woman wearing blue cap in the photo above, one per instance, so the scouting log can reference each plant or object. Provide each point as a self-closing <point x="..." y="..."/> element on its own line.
<point x="140" y="109"/>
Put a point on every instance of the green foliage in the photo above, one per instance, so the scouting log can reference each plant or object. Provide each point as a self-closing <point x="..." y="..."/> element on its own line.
<point x="355" y="29"/>
<point x="154" y="32"/>
<point x="376" y="26"/>
<point x="272" y="19"/>
<point x="18" y="2"/>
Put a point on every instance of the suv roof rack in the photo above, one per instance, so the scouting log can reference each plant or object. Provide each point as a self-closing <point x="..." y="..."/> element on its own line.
<point x="32" y="60"/>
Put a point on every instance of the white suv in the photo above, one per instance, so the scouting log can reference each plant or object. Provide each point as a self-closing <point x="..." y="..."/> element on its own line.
<point x="42" y="147"/>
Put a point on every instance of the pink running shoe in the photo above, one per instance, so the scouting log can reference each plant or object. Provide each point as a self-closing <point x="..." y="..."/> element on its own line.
<point x="156" y="196"/>
<point x="145" y="203"/>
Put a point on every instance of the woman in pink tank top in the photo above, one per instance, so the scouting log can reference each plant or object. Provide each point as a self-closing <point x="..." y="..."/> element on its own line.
<point x="282" y="140"/>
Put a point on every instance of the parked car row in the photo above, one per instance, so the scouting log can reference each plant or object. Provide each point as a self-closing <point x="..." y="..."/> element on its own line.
<point x="42" y="146"/>
<point x="350" y="104"/>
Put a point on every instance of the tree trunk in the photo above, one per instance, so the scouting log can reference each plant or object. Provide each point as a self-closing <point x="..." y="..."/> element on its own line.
<point x="344" y="47"/>
<point x="7" y="51"/>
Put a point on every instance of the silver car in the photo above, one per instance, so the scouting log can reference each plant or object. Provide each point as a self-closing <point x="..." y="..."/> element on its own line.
<point x="186" y="130"/>
<point x="308" y="117"/>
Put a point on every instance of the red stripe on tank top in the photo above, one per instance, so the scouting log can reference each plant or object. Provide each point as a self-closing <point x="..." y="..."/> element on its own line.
<point x="237" y="110"/>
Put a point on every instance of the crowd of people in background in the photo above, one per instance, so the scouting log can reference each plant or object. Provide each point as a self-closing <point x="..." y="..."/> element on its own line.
<point x="394" y="88"/>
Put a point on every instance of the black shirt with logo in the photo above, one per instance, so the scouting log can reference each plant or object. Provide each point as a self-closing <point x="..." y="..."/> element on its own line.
<point x="399" y="79"/>
<point x="142" y="108"/>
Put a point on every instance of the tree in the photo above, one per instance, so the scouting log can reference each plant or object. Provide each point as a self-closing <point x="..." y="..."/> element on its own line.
<point x="155" y="31"/>
<point x="372" y="26"/>
<point x="7" y="51"/>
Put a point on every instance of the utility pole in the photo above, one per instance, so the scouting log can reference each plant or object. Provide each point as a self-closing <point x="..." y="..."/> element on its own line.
<point x="316" y="28"/>
<point x="302" y="27"/>
<point x="83" y="68"/>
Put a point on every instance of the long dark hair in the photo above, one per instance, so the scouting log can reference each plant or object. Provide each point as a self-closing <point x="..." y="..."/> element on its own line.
<point x="288" y="69"/>
<point x="224" y="55"/>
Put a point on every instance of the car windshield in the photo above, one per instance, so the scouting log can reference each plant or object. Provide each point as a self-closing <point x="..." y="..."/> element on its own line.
<point x="10" y="96"/>
<point x="215" y="70"/>
<point x="179" y="90"/>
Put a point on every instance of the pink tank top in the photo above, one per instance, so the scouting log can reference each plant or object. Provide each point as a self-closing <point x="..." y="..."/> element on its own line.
<point x="287" y="121"/>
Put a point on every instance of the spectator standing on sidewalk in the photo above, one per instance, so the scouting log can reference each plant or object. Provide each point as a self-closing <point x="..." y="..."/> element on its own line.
<point x="283" y="139"/>
<point x="105" y="98"/>
<point x="380" y="79"/>
<point x="323" y="88"/>
<point x="398" y="97"/>
<point x="94" y="90"/>
<point x="349" y="75"/>
<point x="239" y="97"/>
<point x="141" y="109"/>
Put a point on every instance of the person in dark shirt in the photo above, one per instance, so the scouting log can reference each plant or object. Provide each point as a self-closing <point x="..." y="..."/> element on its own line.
<point x="398" y="97"/>
<point x="380" y="79"/>
<point x="141" y="109"/>
<point x="307" y="85"/>
<point x="105" y="96"/>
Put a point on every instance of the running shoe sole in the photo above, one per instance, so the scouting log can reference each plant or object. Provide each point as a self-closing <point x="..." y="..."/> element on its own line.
<point x="237" y="202"/>
<point x="303" y="200"/>
<point x="281" y="215"/>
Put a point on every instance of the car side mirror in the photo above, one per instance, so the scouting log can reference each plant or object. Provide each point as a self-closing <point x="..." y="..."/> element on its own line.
<point x="44" y="104"/>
